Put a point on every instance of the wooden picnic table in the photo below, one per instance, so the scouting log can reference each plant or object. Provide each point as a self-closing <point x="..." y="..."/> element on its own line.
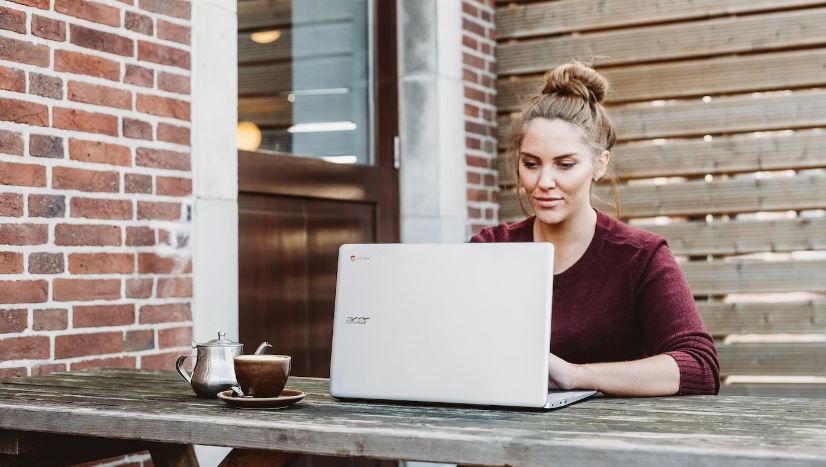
<point x="59" y="414"/>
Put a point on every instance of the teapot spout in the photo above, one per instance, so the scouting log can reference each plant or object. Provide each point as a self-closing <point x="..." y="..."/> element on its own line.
<point x="262" y="348"/>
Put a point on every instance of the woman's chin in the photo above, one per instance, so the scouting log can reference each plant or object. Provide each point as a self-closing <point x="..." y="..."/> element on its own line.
<point x="550" y="216"/>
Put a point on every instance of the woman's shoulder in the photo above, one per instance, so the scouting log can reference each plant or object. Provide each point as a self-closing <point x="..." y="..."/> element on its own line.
<point x="521" y="231"/>
<point x="621" y="234"/>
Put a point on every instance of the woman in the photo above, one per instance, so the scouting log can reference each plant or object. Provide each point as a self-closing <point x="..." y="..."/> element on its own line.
<point x="624" y="320"/>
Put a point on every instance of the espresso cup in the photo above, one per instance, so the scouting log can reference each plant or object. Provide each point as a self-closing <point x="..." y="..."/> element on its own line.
<point x="262" y="375"/>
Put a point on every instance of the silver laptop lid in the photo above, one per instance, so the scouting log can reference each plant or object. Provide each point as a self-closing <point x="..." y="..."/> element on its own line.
<point x="455" y="323"/>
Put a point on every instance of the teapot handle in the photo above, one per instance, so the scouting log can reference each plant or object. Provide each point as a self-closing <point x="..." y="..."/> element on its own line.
<point x="179" y="366"/>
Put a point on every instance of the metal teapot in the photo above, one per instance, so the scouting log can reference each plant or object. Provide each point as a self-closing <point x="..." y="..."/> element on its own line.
<point x="214" y="368"/>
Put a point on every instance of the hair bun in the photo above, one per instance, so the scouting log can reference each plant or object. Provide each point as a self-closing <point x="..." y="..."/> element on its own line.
<point x="576" y="79"/>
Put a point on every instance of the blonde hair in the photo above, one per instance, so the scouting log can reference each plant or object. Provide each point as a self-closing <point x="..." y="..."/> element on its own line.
<point x="573" y="93"/>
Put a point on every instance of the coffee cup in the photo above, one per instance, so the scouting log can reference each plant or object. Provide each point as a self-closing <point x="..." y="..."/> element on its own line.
<point x="262" y="375"/>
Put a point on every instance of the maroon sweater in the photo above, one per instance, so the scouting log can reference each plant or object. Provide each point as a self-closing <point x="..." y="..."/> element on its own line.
<point x="625" y="299"/>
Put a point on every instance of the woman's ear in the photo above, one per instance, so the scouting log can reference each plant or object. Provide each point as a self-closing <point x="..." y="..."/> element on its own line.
<point x="601" y="166"/>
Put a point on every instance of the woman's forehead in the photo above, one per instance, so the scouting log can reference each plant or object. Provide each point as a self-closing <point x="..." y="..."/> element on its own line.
<point x="552" y="138"/>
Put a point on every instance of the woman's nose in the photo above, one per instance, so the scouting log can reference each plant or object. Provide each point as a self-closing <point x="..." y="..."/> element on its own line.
<point x="547" y="179"/>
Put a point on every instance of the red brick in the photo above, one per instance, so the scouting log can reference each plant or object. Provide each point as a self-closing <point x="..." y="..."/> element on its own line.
<point x="114" y="362"/>
<point x="173" y="134"/>
<point x="13" y="320"/>
<point x="473" y="178"/>
<point x="476" y="161"/>
<point x="52" y="319"/>
<point x="22" y="174"/>
<point x="92" y="122"/>
<point x="164" y="55"/>
<point x="46" y="146"/>
<point x="47" y="206"/>
<point x="101" y="153"/>
<point x="140" y="236"/>
<point x="138" y="288"/>
<point x="12" y="79"/>
<point x="66" y="290"/>
<point x="103" y="315"/>
<point x="99" y="95"/>
<point x="163" y="237"/>
<point x="42" y="370"/>
<point x="87" y="235"/>
<point x="24" y="292"/>
<point x="139" y="23"/>
<point x="11" y="205"/>
<point x="14" y="50"/>
<point x="92" y="11"/>
<point x="102" y="41"/>
<point x="137" y="129"/>
<point x="66" y="178"/>
<point x="18" y="111"/>
<point x="163" y="106"/>
<point x="162" y="159"/>
<point x="13" y="20"/>
<point x="24" y="348"/>
<point x="173" y="82"/>
<point x="11" y="143"/>
<point x="159" y="210"/>
<point x="151" y="263"/>
<point x="46" y="86"/>
<point x="176" y="8"/>
<point x="174" y="287"/>
<point x="478" y="195"/>
<point x="24" y="234"/>
<point x="173" y="32"/>
<point x="175" y="337"/>
<point x="101" y="263"/>
<point x="139" y="76"/>
<point x="136" y="183"/>
<point x="48" y="28"/>
<point x="474" y="213"/>
<point x="167" y="313"/>
<point x="46" y="263"/>
<point x="10" y="263"/>
<point x="101" y="208"/>
<point x="16" y="372"/>
<point x="42" y="4"/>
<point x="79" y="345"/>
<point x="165" y="361"/>
<point x="89" y="65"/>
<point x="173" y="186"/>
<point x="139" y="340"/>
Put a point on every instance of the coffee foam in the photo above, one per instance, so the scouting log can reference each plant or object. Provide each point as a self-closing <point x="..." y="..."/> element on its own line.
<point x="261" y="358"/>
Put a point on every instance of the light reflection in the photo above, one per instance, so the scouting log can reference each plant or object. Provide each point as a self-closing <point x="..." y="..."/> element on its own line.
<point x="340" y="159"/>
<point x="265" y="37"/>
<point x="247" y="136"/>
<point x="321" y="127"/>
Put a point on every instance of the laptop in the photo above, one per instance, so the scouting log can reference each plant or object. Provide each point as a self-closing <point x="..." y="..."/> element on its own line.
<point x="445" y="323"/>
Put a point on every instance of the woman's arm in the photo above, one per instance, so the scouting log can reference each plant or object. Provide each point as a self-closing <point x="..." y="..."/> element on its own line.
<point x="653" y="376"/>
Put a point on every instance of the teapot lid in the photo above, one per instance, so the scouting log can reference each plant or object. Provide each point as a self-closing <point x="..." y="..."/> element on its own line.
<point x="221" y="341"/>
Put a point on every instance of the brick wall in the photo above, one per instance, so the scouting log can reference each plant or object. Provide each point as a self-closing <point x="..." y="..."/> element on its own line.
<point x="95" y="184"/>
<point x="479" y="73"/>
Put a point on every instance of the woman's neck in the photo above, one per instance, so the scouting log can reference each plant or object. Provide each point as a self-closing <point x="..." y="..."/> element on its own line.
<point x="574" y="230"/>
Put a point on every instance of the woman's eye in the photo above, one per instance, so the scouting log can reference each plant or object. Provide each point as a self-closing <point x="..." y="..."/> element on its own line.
<point x="529" y="164"/>
<point x="567" y="165"/>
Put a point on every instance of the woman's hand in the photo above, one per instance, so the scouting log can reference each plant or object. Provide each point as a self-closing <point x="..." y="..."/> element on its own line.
<point x="563" y="375"/>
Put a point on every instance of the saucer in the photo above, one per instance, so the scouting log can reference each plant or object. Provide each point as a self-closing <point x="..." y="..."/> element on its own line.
<point x="288" y="397"/>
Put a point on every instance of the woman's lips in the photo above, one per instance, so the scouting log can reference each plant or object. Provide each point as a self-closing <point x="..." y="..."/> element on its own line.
<point x="547" y="201"/>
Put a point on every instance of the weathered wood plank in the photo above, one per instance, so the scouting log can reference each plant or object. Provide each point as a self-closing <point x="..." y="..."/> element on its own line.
<point x="648" y="431"/>
<point x="731" y="115"/>
<point x="817" y="391"/>
<point x="763" y="359"/>
<point x="763" y="318"/>
<point x="691" y="158"/>
<point x="718" y="277"/>
<point x="668" y="42"/>
<point x="558" y="17"/>
<point x="696" y="198"/>
<point x="721" y="75"/>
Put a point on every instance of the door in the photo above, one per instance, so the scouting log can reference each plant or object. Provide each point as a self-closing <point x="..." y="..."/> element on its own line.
<point x="318" y="118"/>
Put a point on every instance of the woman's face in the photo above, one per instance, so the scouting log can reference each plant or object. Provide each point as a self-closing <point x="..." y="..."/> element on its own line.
<point x="556" y="168"/>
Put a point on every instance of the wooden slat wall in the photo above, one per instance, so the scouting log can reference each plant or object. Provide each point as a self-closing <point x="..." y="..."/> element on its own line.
<point x="721" y="110"/>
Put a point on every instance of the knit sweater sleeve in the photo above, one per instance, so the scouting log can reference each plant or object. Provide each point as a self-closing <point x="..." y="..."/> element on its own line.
<point x="671" y="323"/>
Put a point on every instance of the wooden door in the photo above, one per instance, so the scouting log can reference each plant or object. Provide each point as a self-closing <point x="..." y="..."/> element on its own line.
<point x="295" y="212"/>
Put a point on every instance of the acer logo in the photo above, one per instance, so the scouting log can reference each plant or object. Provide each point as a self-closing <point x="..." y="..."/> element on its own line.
<point x="356" y="320"/>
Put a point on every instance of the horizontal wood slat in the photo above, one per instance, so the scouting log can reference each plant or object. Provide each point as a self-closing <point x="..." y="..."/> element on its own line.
<point x="700" y="198"/>
<point x="722" y="75"/>
<point x="693" y="158"/>
<point x="804" y="359"/>
<point x="763" y="318"/>
<point x="576" y="15"/>
<point x="811" y="391"/>
<point x="719" y="277"/>
<point x="731" y="115"/>
<point x="742" y="237"/>
<point x="668" y="42"/>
